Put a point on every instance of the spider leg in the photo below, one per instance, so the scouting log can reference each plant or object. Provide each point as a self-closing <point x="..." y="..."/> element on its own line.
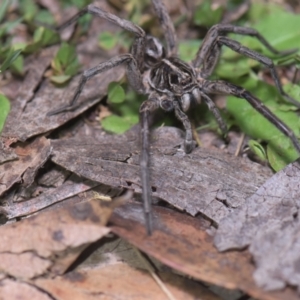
<point x="167" y="26"/>
<point x="225" y="88"/>
<point x="188" y="141"/>
<point x="213" y="108"/>
<point x="220" y="30"/>
<point x="133" y="73"/>
<point x="138" y="47"/>
<point x="236" y="46"/>
<point x="146" y="109"/>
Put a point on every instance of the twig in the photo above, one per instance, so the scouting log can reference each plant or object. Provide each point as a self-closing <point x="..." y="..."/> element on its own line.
<point x="240" y="144"/>
<point x="196" y="136"/>
<point x="151" y="270"/>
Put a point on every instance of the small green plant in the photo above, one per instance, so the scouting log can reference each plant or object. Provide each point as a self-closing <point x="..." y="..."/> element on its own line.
<point x="65" y="64"/>
<point x="4" y="102"/>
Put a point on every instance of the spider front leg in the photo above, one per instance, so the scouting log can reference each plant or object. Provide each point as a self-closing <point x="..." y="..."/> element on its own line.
<point x="236" y="46"/>
<point x="167" y="25"/>
<point x="134" y="65"/>
<point x="209" y="52"/>
<point x="222" y="29"/>
<point x="145" y="110"/>
<point x="134" y="77"/>
<point x="225" y="88"/>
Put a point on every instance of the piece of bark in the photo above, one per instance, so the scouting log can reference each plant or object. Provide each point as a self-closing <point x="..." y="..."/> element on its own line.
<point x="55" y="177"/>
<point x="48" y="198"/>
<point x="31" y="156"/>
<point x="181" y="242"/>
<point x="269" y="223"/>
<point x="205" y="181"/>
<point x="6" y="153"/>
<point x="51" y="241"/>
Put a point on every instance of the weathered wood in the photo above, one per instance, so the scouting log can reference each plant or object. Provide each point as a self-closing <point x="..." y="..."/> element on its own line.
<point x="205" y="181"/>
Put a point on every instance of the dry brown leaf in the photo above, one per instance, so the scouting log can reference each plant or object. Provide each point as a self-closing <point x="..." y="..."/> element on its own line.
<point x="12" y="290"/>
<point x="51" y="241"/>
<point x="182" y="243"/>
<point x="31" y="156"/>
<point x="119" y="281"/>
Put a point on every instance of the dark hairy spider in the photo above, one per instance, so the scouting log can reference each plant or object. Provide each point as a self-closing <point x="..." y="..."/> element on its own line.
<point x="172" y="84"/>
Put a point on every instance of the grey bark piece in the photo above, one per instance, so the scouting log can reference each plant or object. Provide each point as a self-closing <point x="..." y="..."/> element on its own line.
<point x="31" y="157"/>
<point x="269" y="223"/>
<point x="209" y="182"/>
<point x="6" y="153"/>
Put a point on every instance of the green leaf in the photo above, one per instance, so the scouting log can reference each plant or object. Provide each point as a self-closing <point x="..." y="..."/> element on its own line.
<point x="278" y="160"/>
<point x="233" y="70"/>
<point x="56" y="65"/>
<point x="65" y="64"/>
<point x="116" y="124"/>
<point x="258" y="127"/>
<point x="281" y="37"/>
<point x="108" y="40"/>
<point x="60" y="79"/>
<point x="17" y="66"/>
<point x="293" y="90"/>
<point x="188" y="49"/>
<point x="73" y="68"/>
<point x="42" y="37"/>
<point x="29" y="9"/>
<point x="116" y="93"/>
<point x="8" y="26"/>
<point x="45" y="17"/>
<point x="78" y="3"/>
<point x="258" y="149"/>
<point x="4" y="110"/>
<point x="207" y="15"/>
<point x="3" y="9"/>
<point x="32" y="47"/>
<point x="48" y="37"/>
<point x="65" y="53"/>
<point x="9" y="60"/>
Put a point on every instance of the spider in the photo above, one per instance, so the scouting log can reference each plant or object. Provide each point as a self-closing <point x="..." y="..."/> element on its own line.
<point x="172" y="84"/>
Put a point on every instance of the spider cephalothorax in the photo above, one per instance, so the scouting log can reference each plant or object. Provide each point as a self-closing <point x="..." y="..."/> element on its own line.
<point x="172" y="84"/>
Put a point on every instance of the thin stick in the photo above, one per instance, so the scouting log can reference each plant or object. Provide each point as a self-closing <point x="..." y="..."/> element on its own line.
<point x="151" y="270"/>
<point x="196" y="136"/>
<point x="240" y="144"/>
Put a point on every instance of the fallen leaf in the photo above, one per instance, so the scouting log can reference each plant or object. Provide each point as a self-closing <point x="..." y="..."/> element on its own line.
<point x="181" y="242"/>
<point x="51" y="241"/>
<point x="119" y="281"/>
<point x="12" y="290"/>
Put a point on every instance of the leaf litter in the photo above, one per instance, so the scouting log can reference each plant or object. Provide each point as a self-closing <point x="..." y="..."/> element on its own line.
<point x="181" y="242"/>
<point x="268" y="223"/>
